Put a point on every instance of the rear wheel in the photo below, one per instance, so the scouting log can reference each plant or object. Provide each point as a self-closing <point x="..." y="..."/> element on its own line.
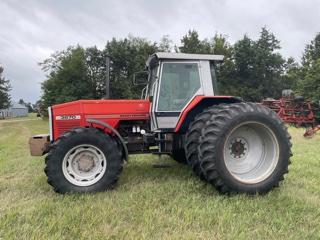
<point x="83" y="160"/>
<point x="244" y="147"/>
<point x="178" y="152"/>
<point x="192" y="139"/>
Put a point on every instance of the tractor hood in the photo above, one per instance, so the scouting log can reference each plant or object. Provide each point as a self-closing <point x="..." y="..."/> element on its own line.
<point x="66" y="116"/>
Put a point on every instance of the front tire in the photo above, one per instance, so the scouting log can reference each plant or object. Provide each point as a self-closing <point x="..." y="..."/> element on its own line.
<point x="83" y="160"/>
<point x="244" y="148"/>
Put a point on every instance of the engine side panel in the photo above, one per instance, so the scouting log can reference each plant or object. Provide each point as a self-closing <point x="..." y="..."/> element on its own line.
<point x="75" y="114"/>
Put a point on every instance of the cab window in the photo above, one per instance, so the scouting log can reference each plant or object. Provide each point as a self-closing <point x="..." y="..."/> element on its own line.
<point x="152" y="79"/>
<point x="214" y="79"/>
<point x="178" y="84"/>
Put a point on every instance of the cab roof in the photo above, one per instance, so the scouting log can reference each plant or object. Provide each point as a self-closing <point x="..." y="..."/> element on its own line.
<point x="188" y="56"/>
<point x="182" y="56"/>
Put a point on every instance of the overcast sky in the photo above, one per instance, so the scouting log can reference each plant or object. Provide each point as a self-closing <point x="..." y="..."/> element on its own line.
<point x="31" y="30"/>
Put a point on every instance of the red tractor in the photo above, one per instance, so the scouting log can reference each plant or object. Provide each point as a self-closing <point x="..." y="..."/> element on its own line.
<point x="236" y="146"/>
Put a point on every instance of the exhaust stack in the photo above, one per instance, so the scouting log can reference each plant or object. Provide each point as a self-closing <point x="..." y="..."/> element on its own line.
<point x="107" y="77"/>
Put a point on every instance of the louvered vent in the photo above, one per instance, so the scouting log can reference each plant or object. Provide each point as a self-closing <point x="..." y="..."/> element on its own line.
<point x="64" y="126"/>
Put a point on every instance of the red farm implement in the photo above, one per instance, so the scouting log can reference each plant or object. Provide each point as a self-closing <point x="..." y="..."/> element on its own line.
<point x="294" y="111"/>
<point x="311" y="131"/>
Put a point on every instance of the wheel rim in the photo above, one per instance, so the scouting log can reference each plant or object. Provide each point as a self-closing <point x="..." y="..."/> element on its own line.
<point x="84" y="165"/>
<point x="251" y="152"/>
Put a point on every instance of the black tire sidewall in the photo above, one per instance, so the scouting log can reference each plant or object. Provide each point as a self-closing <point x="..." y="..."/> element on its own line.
<point x="178" y="152"/>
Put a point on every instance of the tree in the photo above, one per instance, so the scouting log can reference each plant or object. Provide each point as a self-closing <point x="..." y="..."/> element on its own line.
<point x="27" y="104"/>
<point x="96" y="66"/>
<point x="311" y="53"/>
<point x="221" y="46"/>
<point x="308" y="83"/>
<point x="243" y="82"/>
<point x="78" y="73"/>
<point x="252" y="69"/>
<point x="68" y="77"/>
<point x="128" y="56"/>
<point x="5" y="88"/>
<point x="39" y="107"/>
<point x="310" y="86"/>
<point x="165" y="44"/>
<point x="258" y="67"/>
<point x="21" y="101"/>
<point x="224" y="70"/>
<point x="30" y="107"/>
<point x="190" y="43"/>
<point x="292" y="75"/>
<point x="269" y="64"/>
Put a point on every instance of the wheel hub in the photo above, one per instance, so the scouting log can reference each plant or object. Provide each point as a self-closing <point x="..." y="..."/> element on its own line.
<point x="238" y="148"/>
<point x="86" y="163"/>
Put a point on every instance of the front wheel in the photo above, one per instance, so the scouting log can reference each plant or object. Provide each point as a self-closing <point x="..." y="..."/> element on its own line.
<point x="244" y="147"/>
<point x="83" y="160"/>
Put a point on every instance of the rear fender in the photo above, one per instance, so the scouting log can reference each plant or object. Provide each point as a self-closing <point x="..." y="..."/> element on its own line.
<point x="197" y="105"/>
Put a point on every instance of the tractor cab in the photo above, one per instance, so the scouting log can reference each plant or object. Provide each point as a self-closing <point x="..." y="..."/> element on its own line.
<point x="175" y="79"/>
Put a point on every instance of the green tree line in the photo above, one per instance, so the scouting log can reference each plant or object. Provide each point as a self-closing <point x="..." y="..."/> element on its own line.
<point x="252" y="69"/>
<point x="5" y="88"/>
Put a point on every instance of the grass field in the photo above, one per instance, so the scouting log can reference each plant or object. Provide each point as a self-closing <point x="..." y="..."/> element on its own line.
<point x="152" y="203"/>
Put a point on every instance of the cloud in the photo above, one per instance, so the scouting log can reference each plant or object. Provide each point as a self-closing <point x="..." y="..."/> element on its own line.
<point x="32" y="30"/>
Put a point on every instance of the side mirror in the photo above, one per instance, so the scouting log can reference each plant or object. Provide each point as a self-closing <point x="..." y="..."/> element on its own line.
<point x="140" y="78"/>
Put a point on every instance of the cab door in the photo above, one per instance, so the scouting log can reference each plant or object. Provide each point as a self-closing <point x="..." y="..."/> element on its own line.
<point x="178" y="83"/>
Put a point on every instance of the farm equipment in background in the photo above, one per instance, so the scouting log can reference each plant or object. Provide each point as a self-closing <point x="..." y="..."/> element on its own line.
<point x="311" y="131"/>
<point x="234" y="145"/>
<point x="295" y="110"/>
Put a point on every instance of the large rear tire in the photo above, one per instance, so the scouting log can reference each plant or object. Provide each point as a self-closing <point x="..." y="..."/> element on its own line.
<point x="244" y="148"/>
<point x="178" y="152"/>
<point x="192" y="139"/>
<point x="83" y="160"/>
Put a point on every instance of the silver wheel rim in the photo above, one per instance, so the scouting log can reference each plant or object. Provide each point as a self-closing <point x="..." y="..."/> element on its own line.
<point x="84" y="165"/>
<point x="251" y="152"/>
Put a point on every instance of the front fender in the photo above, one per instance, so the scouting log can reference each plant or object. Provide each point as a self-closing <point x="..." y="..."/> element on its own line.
<point x="114" y="131"/>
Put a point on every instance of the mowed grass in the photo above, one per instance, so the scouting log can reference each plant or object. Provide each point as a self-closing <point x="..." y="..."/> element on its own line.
<point x="153" y="203"/>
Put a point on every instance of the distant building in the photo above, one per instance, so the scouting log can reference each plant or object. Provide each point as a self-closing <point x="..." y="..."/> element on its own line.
<point x="16" y="110"/>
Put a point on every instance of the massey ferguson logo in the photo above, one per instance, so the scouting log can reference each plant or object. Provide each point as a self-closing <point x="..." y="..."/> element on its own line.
<point x="68" y="117"/>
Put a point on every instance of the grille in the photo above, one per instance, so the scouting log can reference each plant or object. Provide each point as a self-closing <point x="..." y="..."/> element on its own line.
<point x="64" y="126"/>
